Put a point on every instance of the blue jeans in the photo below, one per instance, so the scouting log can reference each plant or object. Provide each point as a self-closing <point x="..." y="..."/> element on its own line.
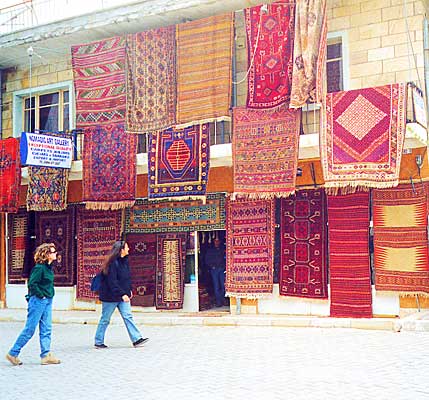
<point x="39" y="312"/>
<point x="106" y="313"/>
<point x="218" y="278"/>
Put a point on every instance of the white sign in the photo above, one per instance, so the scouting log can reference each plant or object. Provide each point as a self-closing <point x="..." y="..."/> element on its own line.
<point x="45" y="150"/>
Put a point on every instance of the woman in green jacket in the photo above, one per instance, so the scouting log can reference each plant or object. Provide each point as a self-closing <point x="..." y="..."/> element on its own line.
<point x="40" y="295"/>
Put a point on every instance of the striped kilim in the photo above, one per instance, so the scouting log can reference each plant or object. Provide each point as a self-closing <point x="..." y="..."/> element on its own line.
<point x="151" y="80"/>
<point x="142" y="261"/>
<point x="59" y="228"/>
<point x="204" y="68"/>
<point x="401" y="240"/>
<point x="350" y="279"/>
<point x="362" y="138"/>
<point x="249" y="247"/>
<point x="304" y="268"/>
<point x="170" y="270"/>
<point x="10" y="175"/>
<point x="47" y="189"/>
<point x="99" y="80"/>
<point x="179" y="162"/>
<point x="265" y="151"/>
<point x="96" y="233"/>
<point x="270" y="37"/>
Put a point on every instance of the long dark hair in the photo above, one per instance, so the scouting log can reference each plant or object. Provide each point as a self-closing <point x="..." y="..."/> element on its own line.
<point x="114" y="253"/>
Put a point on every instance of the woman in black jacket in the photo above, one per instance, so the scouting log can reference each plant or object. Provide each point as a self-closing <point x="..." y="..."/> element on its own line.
<point x="115" y="292"/>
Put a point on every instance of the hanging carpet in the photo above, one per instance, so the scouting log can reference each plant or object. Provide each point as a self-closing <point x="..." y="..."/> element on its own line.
<point x="10" y="175"/>
<point x="170" y="270"/>
<point x="142" y="261"/>
<point x="59" y="228"/>
<point x="270" y="54"/>
<point x="96" y="233"/>
<point x="401" y="240"/>
<point x="176" y="216"/>
<point x="350" y="276"/>
<point x="204" y="68"/>
<point x="362" y="138"/>
<point x="249" y="247"/>
<point x="109" y="167"/>
<point x="309" y="52"/>
<point x="151" y="80"/>
<point x="179" y="162"/>
<point x="47" y="188"/>
<point x="304" y="269"/>
<point x="99" y="81"/>
<point x="265" y="148"/>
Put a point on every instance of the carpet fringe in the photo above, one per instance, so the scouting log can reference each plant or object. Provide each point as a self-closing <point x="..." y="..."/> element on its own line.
<point x="181" y="198"/>
<point x="249" y="296"/>
<point x="108" y="205"/>
<point x="261" y="196"/>
<point x="341" y="188"/>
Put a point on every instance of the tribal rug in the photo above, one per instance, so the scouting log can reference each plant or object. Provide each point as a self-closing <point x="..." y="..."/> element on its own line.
<point x="59" y="228"/>
<point x="249" y="248"/>
<point x="204" y="68"/>
<point x="362" y="138"/>
<point x="270" y="54"/>
<point x="176" y="216"/>
<point x="10" y="175"/>
<point x="401" y="240"/>
<point x="96" y="233"/>
<point x="151" y="80"/>
<point x="109" y="167"/>
<point x="178" y="162"/>
<point x="142" y="260"/>
<point x="99" y="81"/>
<point x="19" y="252"/>
<point x="265" y="152"/>
<point x="170" y="270"/>
<point x="350" y="276"/>
<point x="304" y="268"/>
<point x="47" y="189"/>
<point x="309" y="52"/>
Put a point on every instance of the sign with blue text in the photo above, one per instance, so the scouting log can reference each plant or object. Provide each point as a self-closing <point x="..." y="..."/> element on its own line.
<point x="46" y="150"/>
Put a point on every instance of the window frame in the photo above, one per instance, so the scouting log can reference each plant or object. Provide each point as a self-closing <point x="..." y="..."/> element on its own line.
<point x="343" y="36"/>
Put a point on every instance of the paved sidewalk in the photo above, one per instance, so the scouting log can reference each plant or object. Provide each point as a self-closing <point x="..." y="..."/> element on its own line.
<point x="418" y="321"/>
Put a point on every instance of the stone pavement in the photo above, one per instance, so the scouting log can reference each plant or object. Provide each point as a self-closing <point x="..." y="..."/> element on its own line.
<point x="220" y="362"/>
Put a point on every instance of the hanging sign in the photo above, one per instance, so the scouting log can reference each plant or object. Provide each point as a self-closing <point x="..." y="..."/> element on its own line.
<point x="45" y="150"/>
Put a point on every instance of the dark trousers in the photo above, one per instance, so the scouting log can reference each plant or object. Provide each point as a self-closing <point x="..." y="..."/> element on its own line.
<point x="218" y="278"/>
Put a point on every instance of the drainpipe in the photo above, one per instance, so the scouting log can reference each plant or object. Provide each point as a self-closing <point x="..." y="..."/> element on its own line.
<point x="426" y="60"/>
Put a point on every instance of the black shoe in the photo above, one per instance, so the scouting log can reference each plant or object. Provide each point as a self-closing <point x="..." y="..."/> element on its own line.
<point x="100" y="346"/>
<point x="140" y="342"/>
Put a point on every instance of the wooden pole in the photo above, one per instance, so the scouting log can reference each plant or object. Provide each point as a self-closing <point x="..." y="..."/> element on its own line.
<point x="2" y="260"/>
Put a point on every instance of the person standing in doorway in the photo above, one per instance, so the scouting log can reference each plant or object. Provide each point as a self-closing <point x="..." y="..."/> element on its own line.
<point x="115" y="292"/>
<point x="40" y="294"/>
<point x="215" y="261"/>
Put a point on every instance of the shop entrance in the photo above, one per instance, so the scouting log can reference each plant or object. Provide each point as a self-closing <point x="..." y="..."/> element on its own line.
<point x="211" y="271"/>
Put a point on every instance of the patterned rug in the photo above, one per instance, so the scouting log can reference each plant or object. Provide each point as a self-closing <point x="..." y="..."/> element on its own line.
<point x="249" y="248"/>
<point x="142" y="260"/>
<point x="10" y="175"/>
<point x="170" y="270"/>
<point x="309" y="52"/>
<point x="151" y="80"/>
<point x="304" y="265"/>
<point x="96" y="233"/>
<point x="204" y="68"/>
<point x="109" y="167"/>
<point x="265" y="151"/>
<point x="59" y="228"/>
<point x="270" y="77"/>
<point x="47" y="189"/>
<point x="401" y="240"/>
<point x="350" y="276"/>
<point x="99" y="81"/>
<point x="165" y="216"/>
<point x="179" y="162"/>
<point x="362" y="138"/>
<point x="19" y="254"/>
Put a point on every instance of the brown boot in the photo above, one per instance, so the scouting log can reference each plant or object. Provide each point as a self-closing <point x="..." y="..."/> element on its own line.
<point x="13" y="360"/>
<point x="50" y="359"/>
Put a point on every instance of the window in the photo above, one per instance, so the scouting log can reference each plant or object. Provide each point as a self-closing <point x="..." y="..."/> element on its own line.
<point x="47" y="112"/>
<point x="336" y="63"/>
